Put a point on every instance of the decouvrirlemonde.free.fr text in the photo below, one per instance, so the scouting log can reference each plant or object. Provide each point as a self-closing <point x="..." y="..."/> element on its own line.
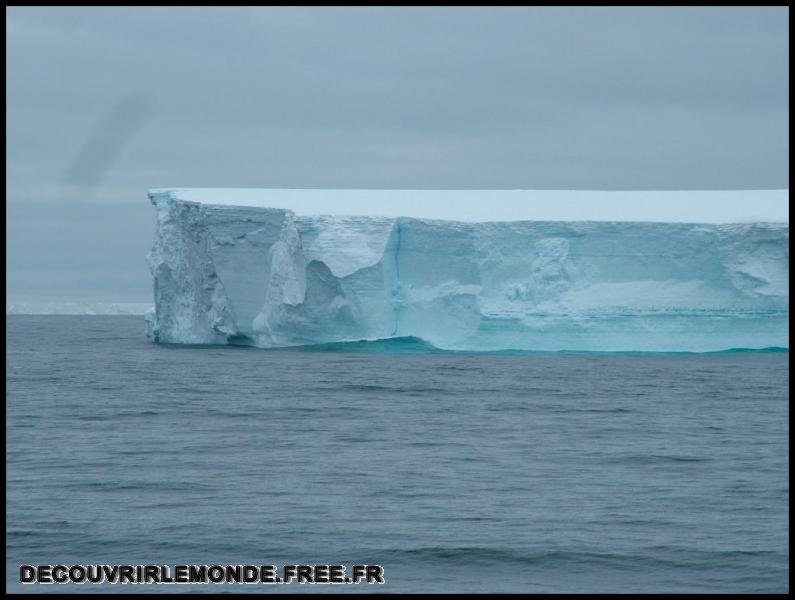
<point x="198" y="574"/>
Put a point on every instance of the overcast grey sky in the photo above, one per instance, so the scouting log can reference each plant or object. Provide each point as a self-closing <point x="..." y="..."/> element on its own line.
<point x="104" y="103"/>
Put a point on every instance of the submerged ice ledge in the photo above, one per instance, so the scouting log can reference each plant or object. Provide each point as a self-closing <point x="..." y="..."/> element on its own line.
<point x="229" y="269"/>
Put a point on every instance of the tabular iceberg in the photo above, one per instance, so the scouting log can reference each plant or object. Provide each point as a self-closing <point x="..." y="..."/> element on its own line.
<point x="227" y="273"/>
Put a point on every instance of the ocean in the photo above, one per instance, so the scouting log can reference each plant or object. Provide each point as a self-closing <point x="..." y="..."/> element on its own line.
<point x="456" y="472"/>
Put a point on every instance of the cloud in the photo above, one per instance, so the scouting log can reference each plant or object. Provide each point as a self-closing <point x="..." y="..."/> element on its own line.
<point x="384" y="97"/>
<point x="101" y="148"/>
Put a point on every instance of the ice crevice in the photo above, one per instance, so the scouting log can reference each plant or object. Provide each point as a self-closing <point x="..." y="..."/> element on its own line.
<point x="396" y="287"/>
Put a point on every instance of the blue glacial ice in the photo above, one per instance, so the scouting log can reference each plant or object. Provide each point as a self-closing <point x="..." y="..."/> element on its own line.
<point x="235" y="271"/>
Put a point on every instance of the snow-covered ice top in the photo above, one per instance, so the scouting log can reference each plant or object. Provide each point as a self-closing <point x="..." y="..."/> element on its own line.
<point x="697" y="206"/>
<point x="274" y="268"/>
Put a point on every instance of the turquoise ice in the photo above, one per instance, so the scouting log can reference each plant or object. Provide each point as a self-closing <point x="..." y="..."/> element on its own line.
<point x="236" y="271"/>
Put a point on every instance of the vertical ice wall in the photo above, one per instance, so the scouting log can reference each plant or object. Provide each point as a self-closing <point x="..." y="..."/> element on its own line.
<point x="266" y="277"/>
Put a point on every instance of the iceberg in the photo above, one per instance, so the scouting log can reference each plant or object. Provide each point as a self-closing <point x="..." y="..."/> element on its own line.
<point x="255" y="267"/>
<point x="77" y="308"/>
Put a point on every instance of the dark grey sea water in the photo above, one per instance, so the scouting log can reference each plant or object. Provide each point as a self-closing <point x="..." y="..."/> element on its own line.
<point x="456" y="472"/>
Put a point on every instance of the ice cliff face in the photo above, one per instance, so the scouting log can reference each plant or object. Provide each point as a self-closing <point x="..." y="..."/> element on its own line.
<point x="228" y="274"/>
